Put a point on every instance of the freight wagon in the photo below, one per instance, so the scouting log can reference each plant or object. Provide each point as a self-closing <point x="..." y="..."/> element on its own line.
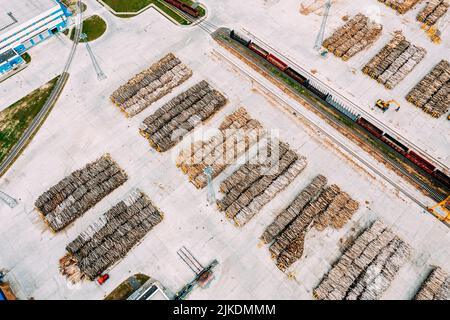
<point x="361" y="121"/>
<point x="184" y="7"/>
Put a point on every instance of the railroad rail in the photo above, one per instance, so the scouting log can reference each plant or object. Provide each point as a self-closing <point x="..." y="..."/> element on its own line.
<point x="42" y="114"/>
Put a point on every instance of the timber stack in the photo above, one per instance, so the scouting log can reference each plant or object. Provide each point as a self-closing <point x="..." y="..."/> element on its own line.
<point x="401" y="6"/>
<point x="436" y="286"/>
<point x="433" y="11"/>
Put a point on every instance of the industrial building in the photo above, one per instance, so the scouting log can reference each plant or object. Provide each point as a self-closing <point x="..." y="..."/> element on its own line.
<point x="26" y="23"/>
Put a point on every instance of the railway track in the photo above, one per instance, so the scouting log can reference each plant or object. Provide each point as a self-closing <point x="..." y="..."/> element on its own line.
<point x="350" y="103"/>
<point x="40" y="117"/>
<point x="338" y="140"/>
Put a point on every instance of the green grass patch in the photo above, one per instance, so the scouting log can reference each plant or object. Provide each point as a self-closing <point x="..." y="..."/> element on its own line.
<point x="94" y="27"/>
<point x="137" y="5"/>
<point x="15" y="119"/>
<point x="124" y="290"/>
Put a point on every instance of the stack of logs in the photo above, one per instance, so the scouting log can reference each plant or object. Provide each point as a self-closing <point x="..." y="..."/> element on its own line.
<point x="317" y="205"/>
<point x="150" y="85"/>
<point x="401" y="6"/>
<point x="354" y="36"/>
<point x="237" y="133"/>
<point x="394" y="62"/>
<point x="110" y="238"/>
<point x="77" y="193"/>
<point x="167" y="126"/>
<point x="436" y="286"/>
<point x="367" y="268"/>
<point x="432" y="93"/>
<point x="259" y="180"/>
<point x="433" y="10"/>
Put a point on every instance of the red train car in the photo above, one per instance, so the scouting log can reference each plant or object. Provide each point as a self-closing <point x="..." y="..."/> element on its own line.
<point x="184" y="7"/>
<point x="277" y="62"/>
<point x="295" y="75"/>
<point x="395" y="144"/>
<point x="257" y="49"/>
<point x="370" y="127"/>
<point x="421" y="162"/>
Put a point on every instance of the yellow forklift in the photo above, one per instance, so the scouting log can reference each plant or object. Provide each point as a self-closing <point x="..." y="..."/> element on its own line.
<point x="442" y="210"/>
<point x="385" y="105"/>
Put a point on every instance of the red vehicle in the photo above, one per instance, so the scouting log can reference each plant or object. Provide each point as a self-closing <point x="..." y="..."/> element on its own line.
<point x="421" y="162"/>
<point x="277" y="62"/>
<point x="370" y="127"/>
<point x="260" y="51"/>
<point x="184" y="7"/>
<point x="102" y="279"/>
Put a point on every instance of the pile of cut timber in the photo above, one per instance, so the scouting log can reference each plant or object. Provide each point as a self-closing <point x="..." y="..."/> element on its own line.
<point x="167" y="126"/>
<point x="432" y="93"/>
<point x="150" y="85"/>
<point x="401" y="6"/>
<point x="394" y="62"/>
<point x="354" y="36"/>
<point x="77" y="193"/>
<point x="436" y="287"/>
<point x="259" y="180"/>
<point x="433" y="10"/>
<point x="367" y="268"/>
<point x="110" y="238"/>
<point x="237" y="133"/>
<point x="317" y="205"/>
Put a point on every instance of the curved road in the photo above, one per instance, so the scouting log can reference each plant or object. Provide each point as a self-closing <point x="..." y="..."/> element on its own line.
<point x="38" y="120"/>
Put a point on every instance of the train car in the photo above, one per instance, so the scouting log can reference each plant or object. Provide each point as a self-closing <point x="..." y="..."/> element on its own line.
<point x="421" y="162"/>
<point x="395" y="144"/>
<point x="184" y="7"/>
<point x="369" y="127"/>
<point x="295" y="75"/>
<point x="442" y="177"/>
<point x="235" y="36"/>
<point x="316" y="91"/>
<point x="276" y="62"/>
<point x="258" y="50"/>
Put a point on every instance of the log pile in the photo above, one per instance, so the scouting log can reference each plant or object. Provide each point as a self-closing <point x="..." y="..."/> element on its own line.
<point x="258" y="181"/>
<point x="167" y="126"/>
<point x="237" y="133"/>
<point x="77" y="193"/>
<point x="401" y="6"/>
<point x="367" y="268"/>
<point x="317" y="205"/>
<point x="432" y="93"/>
<point x="150" y="85"/>
<point x="433" y="10"/>
<point x="354" y="36"/>
<point x="110" y="238"/>
<point x="394" y="62"/>
<point x="436" y="286"/>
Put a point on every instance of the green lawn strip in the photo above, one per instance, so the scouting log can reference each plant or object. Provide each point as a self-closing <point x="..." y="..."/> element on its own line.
<point x="94" y="27"/>
<point x="15" y="119"/>
<point x="124" y="290"/>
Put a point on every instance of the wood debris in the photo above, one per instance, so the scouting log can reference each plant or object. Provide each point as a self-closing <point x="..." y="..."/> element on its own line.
<point x="394" y="62"/>
<point x="170" y="123"/>
<point x="354" y="36"/>
<point x="77" y="193"/>
<point x="150" y="85"/>
<point x="110" y="238"/>
<point x="432" y="93"/>
<point x="367" y="268"/>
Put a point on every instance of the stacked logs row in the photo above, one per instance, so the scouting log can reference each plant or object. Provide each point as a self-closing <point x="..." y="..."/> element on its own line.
<point x="259" y="180"/>
<point x="167" y="126"/>
<point x="401" y="6"/>
<point x="236" y="134"/>
<point x="436" y="286"/>
<point x="317" y="205"/>
<point x="433" y="10"/>
<point x="150" y="85"/>
<point x="367" y="268"/>
<point x="108" y="240"/>
<point x="354" y="36"/>
<point x="77" y="193"/>
<point x="432" y="93"/>
<point x="394" y="62"/>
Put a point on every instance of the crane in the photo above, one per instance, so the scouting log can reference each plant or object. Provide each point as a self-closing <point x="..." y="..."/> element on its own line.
<point x="10" y="201"/>
<point x="442" y="210"/>
<point x="100" y="74"/>
<point x="385" y="105"/>
<point x="321" y="34"/>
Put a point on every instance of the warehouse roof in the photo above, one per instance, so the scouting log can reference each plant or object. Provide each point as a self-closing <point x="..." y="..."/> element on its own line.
<point x="14" y="13"/>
